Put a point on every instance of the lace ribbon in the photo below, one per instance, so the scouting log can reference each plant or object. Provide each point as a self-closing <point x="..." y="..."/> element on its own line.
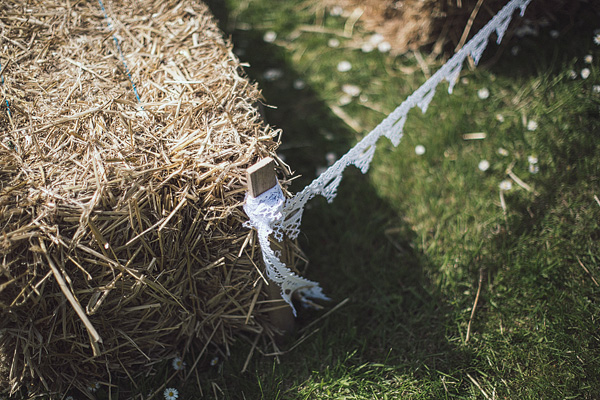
<point x="280" y="216"/>
<point x="264" y="211"/>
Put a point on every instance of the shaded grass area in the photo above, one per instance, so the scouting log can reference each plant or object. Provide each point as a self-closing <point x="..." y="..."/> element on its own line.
<point x="408" y="242"/>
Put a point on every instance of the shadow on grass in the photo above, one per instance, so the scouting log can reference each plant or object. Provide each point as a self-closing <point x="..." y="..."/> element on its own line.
<point x="358" y="247"/>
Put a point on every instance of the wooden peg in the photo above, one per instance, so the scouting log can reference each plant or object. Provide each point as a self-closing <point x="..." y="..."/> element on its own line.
<point x="261" y="177"/>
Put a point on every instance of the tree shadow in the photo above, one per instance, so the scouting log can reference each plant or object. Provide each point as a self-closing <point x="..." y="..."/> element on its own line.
<point x="358" y="246"/>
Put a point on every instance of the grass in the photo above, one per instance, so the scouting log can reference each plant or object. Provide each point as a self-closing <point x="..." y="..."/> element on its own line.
<point x="409" y="242"/>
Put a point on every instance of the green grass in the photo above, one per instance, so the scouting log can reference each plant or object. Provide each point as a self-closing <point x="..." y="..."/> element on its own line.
<point x="407" y="242"/>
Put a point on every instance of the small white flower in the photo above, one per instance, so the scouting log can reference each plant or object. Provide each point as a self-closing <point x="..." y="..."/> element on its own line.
<point x="502" y="151"/>
<point x="420" y="150"/>
<point x="94" y="387"/>
<point x="178" y="364"/>
<point x="597" y="39"/>
<point x="585" y="73"/>
<point x="483" y="93"/>
<point x="351" y="90"/>
<point x="572" y="74"/>
<point x="376" y="38"/>
<point x="464" y="81"/>
<point x="344" y="66"/>
<point x="331" y="158"/>
<point x="171" y="394"/>
<point x="505" y="185"/>
<point x="596" y="88"/>
<point x="484" y="165"/>
<point x="214" y="361"/>
<point x="272" y="74"/>
<point x="554" y="33"/>
<point x="532" y="159"/>
<point x="384" y="47"/>
<point x="270" y="36"/>
<point x="534" y="169"/>
<point x="367" y="47"/>
<point x="299" y="84"/>
<point x="333" y="42"/>
<point x="345" y="99"/>
<point x="336" y="11"/>
<point x="500" y="117"/>
<point x="532" y="125"/>
<point x="588" y="59"/>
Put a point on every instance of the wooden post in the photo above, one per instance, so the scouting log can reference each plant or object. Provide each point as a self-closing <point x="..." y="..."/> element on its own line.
<point x="261" y="177"/>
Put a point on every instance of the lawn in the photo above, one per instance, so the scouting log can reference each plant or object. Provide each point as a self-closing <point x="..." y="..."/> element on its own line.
<point x="449" y="283"/>
<point x="456" y="288"/>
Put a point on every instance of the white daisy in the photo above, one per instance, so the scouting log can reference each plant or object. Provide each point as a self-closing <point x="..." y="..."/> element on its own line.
<point x="532" y="159"/>
<point x="336" y="11"/>
<point x="484" y="165"/>
<point x="532" y="125"/>
<point x="270" y="36"/>
<point x="502" y="151"/>
<point x="94" y="387"/>
<point x="351" y="90"/>
<point x="333" y="42"/>
<point x="345" y="99"/>
<point x="596" y="88"/>
<point x="299" y="84"/>
<point x="331" y="158"/>
<point x="344" y="66"/>
<point x="171" y="394"/>
<point x="376" y="38"/>
<point x="483" y="93"/>
<point x="215" y="359"/>
<point x="572" y="74"/>
<point x="588" y="59"/>
<point x="367" y="47"/>
<point x="534" y="169"/>
<point x="505" y="185"/>
<point x="384" y="47"/>
<point x="597" y="38"/>
<point x="420" y="150"/>
<point x="272" y="74"/>
<point x="178" y="364"/>
<point x="585" y="73"/>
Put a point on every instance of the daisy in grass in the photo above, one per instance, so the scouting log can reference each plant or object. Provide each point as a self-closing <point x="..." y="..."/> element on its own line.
<point x="484" y="165"/>
<point x="178" y="364"/>
<point x="597" y="38"/>
<point x="171" y="394"/>
<point x="505" y="185"/>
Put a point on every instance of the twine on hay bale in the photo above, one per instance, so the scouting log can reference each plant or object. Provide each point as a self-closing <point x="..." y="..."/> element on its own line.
<point x="122" y="241"/>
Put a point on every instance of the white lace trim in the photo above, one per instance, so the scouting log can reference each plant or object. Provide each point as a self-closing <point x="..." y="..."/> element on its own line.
<point x="264" y="211"/>
<point x="270" y="213"/>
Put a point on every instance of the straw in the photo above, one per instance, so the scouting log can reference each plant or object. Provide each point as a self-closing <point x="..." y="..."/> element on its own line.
<point x="122" y="241"/>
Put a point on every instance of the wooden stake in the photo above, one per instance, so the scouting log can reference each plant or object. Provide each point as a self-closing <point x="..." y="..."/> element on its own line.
<point x="261" y="177"/>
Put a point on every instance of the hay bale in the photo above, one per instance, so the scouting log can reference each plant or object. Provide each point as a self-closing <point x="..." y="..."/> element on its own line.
<point x="122" y="242"/>
<point x="440" y="25"/>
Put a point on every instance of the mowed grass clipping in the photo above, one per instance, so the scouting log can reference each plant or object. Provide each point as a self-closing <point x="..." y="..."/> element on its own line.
<point x="412" y="243"/>
<point x="456" y="288"/>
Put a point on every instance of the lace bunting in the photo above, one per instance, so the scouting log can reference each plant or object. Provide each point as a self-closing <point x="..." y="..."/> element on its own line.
<point x="270" y="213"/>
